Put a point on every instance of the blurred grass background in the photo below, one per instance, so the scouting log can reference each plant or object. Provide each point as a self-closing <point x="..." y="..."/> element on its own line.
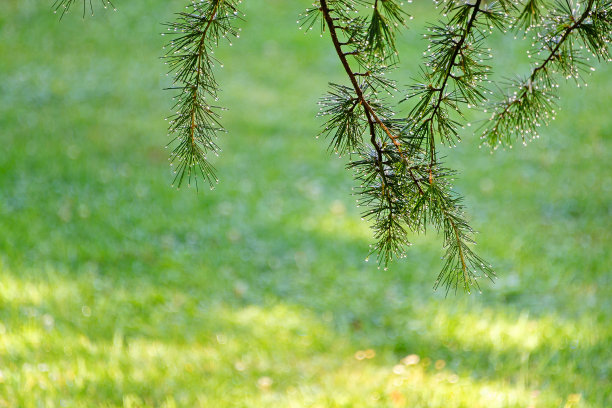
<point x="116" y="290"/>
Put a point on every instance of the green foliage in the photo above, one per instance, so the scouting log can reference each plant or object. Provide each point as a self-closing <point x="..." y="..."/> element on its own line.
<point x="116" y="291"/>
<point x="399" y="171"/>
<point x="190" y="56"/>
<point x="564" y="35"/>
<point x="403" y="183"/>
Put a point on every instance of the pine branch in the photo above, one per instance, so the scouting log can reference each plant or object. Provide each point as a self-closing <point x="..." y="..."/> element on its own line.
<point x="441" y="89"/>
<point x="531" y="105"/>
<point x="396" y="185"/>
<point x="390" y="234"/>
<point x="449" y="42"/>
<point x="195" y="124"/>
<point x="372" y="117"/>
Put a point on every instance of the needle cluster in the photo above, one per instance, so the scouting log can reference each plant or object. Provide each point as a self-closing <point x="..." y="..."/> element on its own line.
<point x="196" y="121"/>
<point x="565" y="36"/>
<point x="63" y="6"/>
<point x="403" y="186"/>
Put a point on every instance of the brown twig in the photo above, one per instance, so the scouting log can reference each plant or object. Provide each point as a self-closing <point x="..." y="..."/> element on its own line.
<point x="371" y="116"/>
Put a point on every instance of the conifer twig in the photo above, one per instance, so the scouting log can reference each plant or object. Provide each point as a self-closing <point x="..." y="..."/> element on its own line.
<point x="195" y="124"/>
<point x="371" y="116"/>
<point x="448" y="74"/>
<point x="525" y="109"/>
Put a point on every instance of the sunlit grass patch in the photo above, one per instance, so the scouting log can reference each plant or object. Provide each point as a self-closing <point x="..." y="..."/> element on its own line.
<point x="64" y="339"/>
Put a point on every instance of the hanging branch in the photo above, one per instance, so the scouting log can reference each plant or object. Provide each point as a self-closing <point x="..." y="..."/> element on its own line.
<point x="195" y="124"/>
<point x="454" y="60"/>
<point x="447" y="72"/>
<point x="389" y="232"/>
<point x="531" y="104"/>
<point x="370" y="46"/>
<point x="396" y="176"/>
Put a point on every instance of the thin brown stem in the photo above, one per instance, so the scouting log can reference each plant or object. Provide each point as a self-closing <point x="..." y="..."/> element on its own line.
<point x="371" y="116"/>
<point x="362" y="100"/>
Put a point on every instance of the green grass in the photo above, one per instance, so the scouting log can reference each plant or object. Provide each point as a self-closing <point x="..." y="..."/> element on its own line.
<point x="116" y="290"/>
